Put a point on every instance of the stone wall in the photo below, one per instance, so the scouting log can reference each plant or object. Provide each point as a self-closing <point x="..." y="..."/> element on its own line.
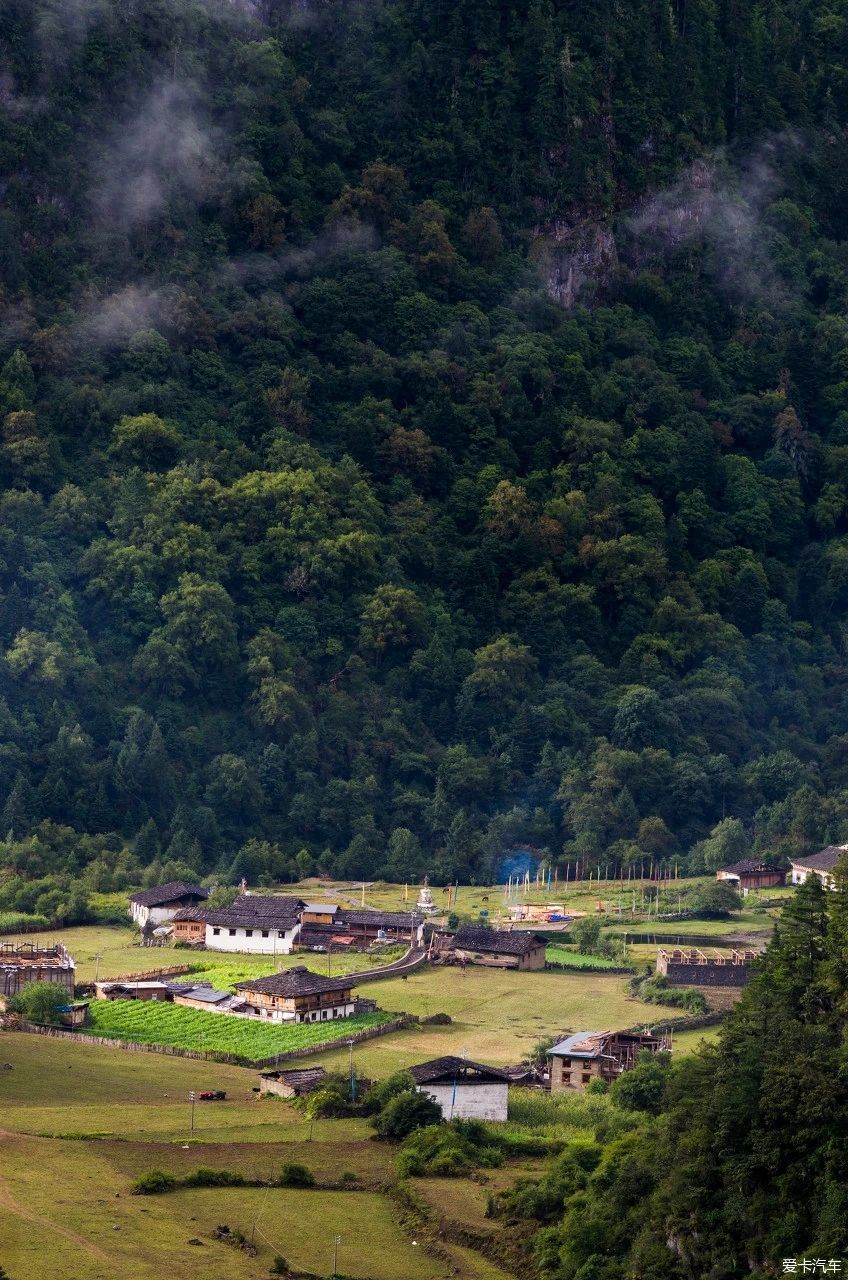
<point x="713" y="973"/>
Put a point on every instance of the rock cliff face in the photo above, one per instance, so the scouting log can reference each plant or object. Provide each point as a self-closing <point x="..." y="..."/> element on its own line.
<point x="576" y="261"/>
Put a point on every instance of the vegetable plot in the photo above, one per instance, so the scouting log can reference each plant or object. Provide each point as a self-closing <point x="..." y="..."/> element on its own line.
<point x="150" y="1022"/>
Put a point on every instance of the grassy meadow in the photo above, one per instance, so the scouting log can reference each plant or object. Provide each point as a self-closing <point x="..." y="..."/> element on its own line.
<point x="65" y="1205"/>
<point x="79" y="1123"/>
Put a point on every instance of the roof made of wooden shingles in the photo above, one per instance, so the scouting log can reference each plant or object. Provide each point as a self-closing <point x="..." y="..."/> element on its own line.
<point x="298" y="981"/>
<point x="500" y="941"/>
<point x="266" y="911"/>
<point x="171" y="892"/>
<point x="451" y="1068"/>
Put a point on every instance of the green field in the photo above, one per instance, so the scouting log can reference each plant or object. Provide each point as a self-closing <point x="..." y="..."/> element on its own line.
<point x="498" y="1014"/>
<point x="153" y="1022"/>
<point x="574" y="960"/>
<point x="119" y="953"/>
<point x="65" y="1207"/>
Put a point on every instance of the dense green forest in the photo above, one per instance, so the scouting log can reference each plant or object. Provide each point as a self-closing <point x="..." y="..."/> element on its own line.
<point x="424" y="432"/>
<point x="740" y="1167"/>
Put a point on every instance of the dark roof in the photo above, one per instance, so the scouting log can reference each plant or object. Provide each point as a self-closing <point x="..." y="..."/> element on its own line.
<point x="305" y="1079"/>
<point x="451" y="1068"/>
<point x="170" y="892"/>
<point x="825" y="860"/>
<point x="750" y="867"/>
<point x="298" y="981"/>
<point x="380" y="919"/>
<point x="207" y="995"/>
<point x="506" y="942"/>
<point x="254" y="911"/>
<point x="191" y="913"/>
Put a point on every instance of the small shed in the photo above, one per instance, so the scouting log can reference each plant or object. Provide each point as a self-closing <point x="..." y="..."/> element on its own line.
<point x="131" y="990"/>
<point x="291" y="1084"/>
<point x="750" y="873"/>
<point x="206" y="998"/>
<point x="464" y="1089"/>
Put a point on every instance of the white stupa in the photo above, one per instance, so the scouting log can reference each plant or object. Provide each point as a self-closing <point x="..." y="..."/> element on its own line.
<point x="425" y="903"/>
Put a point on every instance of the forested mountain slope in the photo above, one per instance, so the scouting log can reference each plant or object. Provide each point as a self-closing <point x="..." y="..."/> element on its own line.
<point x="325" y="528"/>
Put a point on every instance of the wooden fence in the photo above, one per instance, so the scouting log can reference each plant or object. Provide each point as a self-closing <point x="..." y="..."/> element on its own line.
<point x="212" y="1055"/>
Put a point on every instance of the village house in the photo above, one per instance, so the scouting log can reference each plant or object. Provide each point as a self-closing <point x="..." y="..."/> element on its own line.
<point x="189" y="926"/>
<point x="25" y="962"/>
<point x="298" y="995"/>
<point x="498" y="948"/>
<point x="160" y="905"/>
<point x="817" y="864"/>
<point x="463" y="1089"/>
<point x="598" y="1055"/>
<point x="291" y="1084"/>
<point x="264" y="924"/>
<point x="750" y="873"/>
<point x="324" y="925"/>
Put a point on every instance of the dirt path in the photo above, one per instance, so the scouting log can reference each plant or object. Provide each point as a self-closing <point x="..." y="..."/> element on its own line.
<point x="8" y="1202"/>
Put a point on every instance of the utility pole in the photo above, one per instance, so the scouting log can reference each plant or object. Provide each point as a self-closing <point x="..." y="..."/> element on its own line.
<point x="192" y="1097"/>
<point x="350" y="1070"/>
<point x="97" y="960"/>
<point x="336" y="1242"/>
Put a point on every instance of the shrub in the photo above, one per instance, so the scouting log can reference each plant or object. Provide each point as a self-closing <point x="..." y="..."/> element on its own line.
<point x="279" y="1267"/>
<point x="296" y="1175"/>
<point x="40" y="1001"/>
<point x="213" y="1178"/>
<point x="643" y="1087"/>
<point x="153" y="1183"/>
<point x="598" y="1086"/>
<point x="381" y="1092"/>
<point x="655" y="989"/>
<point x="448" y="1150"/>
<point x="585" y="934"/>
<point x="716" y="902"/>
<point x="404" y="1114"/>
<point x="332" y="1099"/>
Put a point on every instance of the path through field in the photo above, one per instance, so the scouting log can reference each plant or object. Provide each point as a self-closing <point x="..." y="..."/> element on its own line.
<point x="11" y="1205"/>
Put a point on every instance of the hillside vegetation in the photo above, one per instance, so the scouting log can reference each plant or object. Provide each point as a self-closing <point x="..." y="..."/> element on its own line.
<point x="332" y="536"/>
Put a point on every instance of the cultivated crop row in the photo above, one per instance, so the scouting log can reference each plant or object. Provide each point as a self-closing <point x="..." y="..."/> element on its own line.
<point x="150" y="1022"/>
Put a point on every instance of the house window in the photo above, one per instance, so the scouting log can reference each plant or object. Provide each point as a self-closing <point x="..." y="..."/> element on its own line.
<point x="566" y="1062"/>
<point x="264" y="933"/>
<point x="587" y="1076"/>
<point x="216" y="932"/>
<point x="248" y="933"/>
<point x="280" y="933"/>
<point x="232" y="932"/>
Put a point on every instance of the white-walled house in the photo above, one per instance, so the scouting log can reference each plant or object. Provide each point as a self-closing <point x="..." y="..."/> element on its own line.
<point x="463" y="1089"/>
<point x="298" y="995"/>
<point x="160" y="905"/>
<point x="263" y="924"/>
<point x="817" y="864"/>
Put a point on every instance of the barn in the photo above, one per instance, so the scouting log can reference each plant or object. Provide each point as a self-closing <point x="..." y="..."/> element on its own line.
<point x="464" y="1090"/>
